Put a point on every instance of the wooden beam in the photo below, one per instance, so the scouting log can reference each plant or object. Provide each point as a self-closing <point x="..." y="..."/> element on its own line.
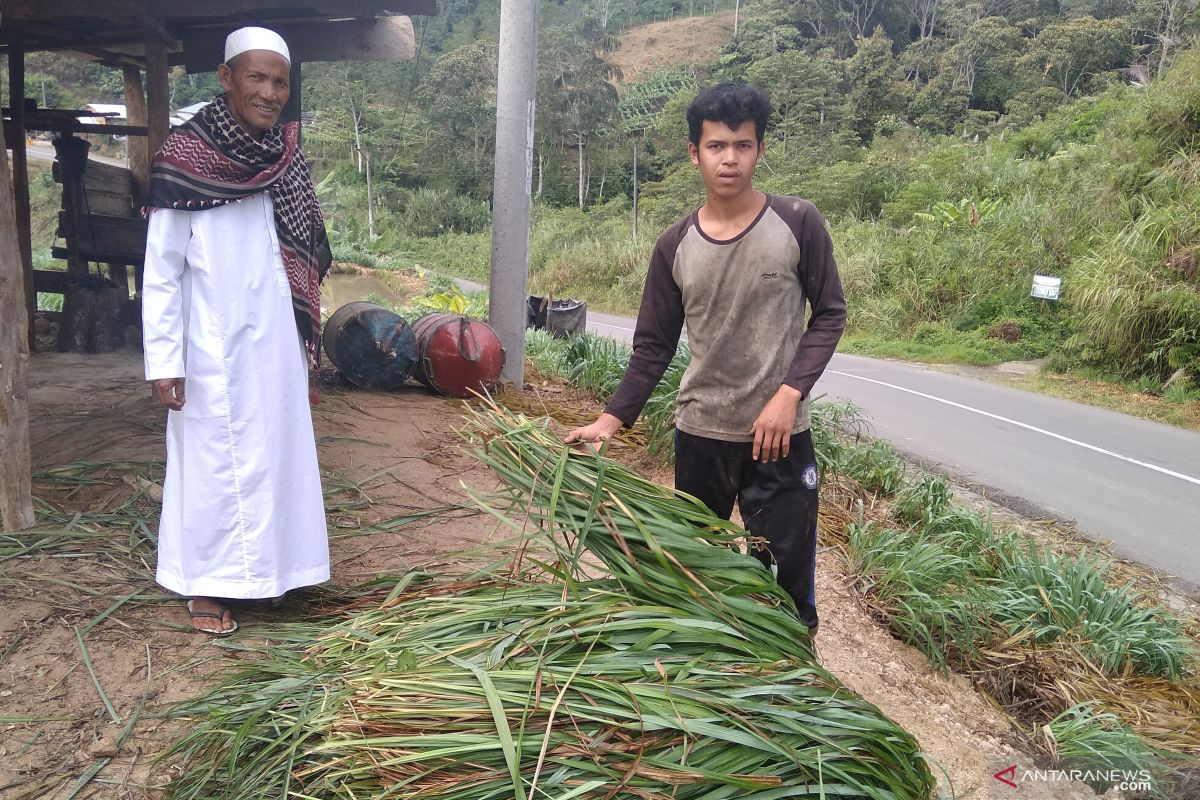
<point x="154" y="27"/>
<point x="20" y="178"/>
<point x="291" y="109"/>
<point x="158" y="108"/>
<point x="16" y="497"/>
<point x="67" y="126"/>
<point x="138" y="147"/>
<point x="49" y="31"/>
<point x="384" y="39"/>
<point x="109" y="58"/>
<point x="52" y="281"/>
<point x="56" y="114"/>
<point x="47" y="11"/>
<point x="127" y="44"/>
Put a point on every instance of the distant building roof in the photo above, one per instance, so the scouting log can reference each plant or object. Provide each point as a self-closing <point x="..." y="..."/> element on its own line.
<point x="105" y="112"/>
<point x="117" y="109"/>
<point x="182" y="115"/>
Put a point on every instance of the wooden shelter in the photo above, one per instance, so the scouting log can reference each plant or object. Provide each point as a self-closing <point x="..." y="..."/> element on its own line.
<point x="143" y="39"/>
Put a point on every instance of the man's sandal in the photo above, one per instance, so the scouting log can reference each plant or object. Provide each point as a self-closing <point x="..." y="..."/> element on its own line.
<point x="217" y="615"/>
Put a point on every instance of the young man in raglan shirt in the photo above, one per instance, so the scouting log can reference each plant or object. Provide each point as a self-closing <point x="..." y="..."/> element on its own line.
<point x="739" y="271"/>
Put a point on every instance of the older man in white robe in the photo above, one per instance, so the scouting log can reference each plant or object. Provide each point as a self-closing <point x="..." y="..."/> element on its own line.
<point x="235" y="254"/>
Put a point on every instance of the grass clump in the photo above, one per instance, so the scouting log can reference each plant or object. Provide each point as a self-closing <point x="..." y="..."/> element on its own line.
<point x="1051" y="596"/>
<point x="922" y="586"/>
<point x="1041" y="630"/>
<point x="682" y="672"/>
<point x="596" y="364"/>
<point x="1085" y="737"/>
<point x="951" y="582"/>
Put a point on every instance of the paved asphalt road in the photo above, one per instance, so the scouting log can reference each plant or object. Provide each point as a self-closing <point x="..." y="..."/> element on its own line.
<point x="1121" y="479"/>
<point x="45" y="152"/>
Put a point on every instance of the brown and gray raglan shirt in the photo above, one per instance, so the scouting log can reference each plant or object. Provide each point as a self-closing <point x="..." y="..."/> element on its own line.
<point x="743" y="300"/>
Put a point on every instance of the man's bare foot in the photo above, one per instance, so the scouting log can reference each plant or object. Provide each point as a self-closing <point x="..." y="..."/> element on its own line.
<point x="210" y="616"/>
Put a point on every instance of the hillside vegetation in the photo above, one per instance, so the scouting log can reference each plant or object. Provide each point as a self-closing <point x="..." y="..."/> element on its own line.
<point x="956" y="147"/>
<point x="954" y="156"/>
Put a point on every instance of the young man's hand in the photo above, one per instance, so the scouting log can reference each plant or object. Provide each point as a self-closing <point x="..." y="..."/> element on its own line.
<point x="773" y="428"/>
<point x="169" y="392"/>
<point x="605" y="427"/>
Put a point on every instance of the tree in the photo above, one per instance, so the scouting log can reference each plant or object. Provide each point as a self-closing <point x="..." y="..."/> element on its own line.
<point x="922" y="59"/>
<point x="188" y="88"/>
<point x="575" y="96"/>
<point x="1074" y="52"/>
<point x="813" y="15"/>
<point x="639" y="108"/>
<point x="924" y="14"/>
<point x="1100" y="9"/>
<point x="990" y="46"/>
<point x="763" y="34"/>
<point x="806" y="93"/>
<point x="940" y="105"/>
<point x="1165" y="21"/>
<point x="859" y="17"/>
<point x="874" y="89"/>
<point x="458" y="98"/>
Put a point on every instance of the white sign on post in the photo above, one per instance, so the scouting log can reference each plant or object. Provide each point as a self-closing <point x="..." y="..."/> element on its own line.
<point x="1046" y="287"/>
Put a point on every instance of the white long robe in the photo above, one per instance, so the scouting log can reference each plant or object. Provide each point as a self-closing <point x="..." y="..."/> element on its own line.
<point x="242" y="513"/>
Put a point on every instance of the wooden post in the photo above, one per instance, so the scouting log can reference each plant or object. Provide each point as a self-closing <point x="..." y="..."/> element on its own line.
<point x="370" y="201"/>
<point x="71" y="152"/>
<point x="635" y="188"/>
<point x="291" y="109"/>
<point x="119" y="275"/>
<point x="158" y="109"/>
<point x="20" y="178"/>
<point x="16" y="500"/>
<point x="139" y="152"/>
<point x="138" y="149"/>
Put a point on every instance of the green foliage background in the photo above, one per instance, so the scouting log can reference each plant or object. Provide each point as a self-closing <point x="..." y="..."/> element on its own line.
<point x="956" y="148"/>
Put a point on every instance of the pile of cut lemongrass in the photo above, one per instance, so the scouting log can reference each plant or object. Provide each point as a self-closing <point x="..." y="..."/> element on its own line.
<point x="683" y="673"/>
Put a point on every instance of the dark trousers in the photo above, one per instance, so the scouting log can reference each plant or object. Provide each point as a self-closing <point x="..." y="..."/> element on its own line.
<point x="778" y="501"/>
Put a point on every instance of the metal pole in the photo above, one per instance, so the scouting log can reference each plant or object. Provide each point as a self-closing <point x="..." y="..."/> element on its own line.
<point x="513" y="177"/>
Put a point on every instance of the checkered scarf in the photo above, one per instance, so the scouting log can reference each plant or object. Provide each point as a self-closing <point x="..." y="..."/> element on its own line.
<point x="211" y="160"/>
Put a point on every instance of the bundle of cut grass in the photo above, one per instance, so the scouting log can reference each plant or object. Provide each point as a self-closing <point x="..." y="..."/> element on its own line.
<point x="683" y="674"/>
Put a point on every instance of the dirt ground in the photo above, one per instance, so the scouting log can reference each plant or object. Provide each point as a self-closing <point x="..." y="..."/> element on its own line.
<point x="399" y="451"/>
<point x="686" y="40"/>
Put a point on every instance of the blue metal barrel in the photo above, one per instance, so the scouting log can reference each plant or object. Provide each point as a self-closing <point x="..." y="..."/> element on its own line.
<point x="372" y="346"/>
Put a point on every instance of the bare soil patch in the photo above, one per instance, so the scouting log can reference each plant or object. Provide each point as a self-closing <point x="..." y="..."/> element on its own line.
<point x="672" y="43"/>
<point x="385" y="456"/>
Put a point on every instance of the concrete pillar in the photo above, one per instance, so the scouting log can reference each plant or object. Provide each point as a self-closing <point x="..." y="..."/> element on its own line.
<point x="513" y="181"/>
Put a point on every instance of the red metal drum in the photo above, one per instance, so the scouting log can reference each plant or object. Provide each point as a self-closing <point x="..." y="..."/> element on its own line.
<point x="457" y="355"/>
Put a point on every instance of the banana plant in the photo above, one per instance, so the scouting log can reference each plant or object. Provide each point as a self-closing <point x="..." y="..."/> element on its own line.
<point x="967" y="213"/>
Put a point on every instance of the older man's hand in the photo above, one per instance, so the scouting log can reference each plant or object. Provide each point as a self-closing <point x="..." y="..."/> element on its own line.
<point x="169" y="392"/>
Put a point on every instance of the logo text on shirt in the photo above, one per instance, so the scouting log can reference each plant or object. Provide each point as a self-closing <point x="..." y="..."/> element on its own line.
<point x="769" y="276"/>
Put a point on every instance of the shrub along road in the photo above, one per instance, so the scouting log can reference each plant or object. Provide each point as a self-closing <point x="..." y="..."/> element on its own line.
<point x="1121" y="479"/>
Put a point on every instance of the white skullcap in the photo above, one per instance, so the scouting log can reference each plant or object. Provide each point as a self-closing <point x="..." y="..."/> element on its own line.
<point x="251" y="38"/>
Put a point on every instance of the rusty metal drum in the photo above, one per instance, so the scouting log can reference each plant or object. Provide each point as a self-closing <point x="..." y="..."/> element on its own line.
<point x="457" y="355"/>
<point x="373" y="347"/>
